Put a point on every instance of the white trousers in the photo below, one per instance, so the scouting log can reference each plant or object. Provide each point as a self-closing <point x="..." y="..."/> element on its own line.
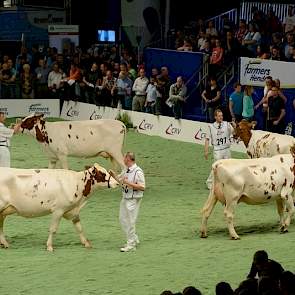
<point x="217" y="155"/>
<point x="129" y="209"/>
<point x="4" y="156"/>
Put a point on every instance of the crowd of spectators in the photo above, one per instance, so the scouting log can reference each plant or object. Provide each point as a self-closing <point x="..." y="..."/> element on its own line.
<point x="101" y="77"/>
<point x="266" y="277"/>
<point x="265" y="36"/>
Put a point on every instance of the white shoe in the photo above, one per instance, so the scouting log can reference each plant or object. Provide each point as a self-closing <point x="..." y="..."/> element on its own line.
<point x="128" y="248"/>
<point x="137" y="241"/>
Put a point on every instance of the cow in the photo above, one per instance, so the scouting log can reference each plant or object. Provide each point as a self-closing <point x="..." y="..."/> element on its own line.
<point x="262" y="143"/>
<point x="39" y="192"/>
<point x="252" y="181"/>
<point x="88" y="138"/>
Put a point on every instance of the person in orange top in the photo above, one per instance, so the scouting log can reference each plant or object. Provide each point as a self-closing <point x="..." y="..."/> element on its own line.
<point x="72" y="87"/>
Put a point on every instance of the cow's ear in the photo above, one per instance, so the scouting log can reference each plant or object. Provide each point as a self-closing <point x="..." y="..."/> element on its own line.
<point x="253" y="124"/>
<point x="87" y="167"/>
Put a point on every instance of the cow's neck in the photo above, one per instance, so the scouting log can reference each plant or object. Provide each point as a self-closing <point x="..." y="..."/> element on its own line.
<point x="247" y="139"/>
<point x="41" y="132"/>
<point x="88" y="183"/>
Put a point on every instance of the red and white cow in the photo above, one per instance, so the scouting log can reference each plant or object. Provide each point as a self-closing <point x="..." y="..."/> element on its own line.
<point x="77" y="138"/>
<point x="39" y="192"/>
<point x="262" y="143"/>
<point x="252" y="181"/>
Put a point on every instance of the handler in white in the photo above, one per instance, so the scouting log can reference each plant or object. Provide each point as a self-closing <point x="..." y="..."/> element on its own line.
<point x="133" y="186"/>
<point x="5" y="135"/>
<point x="220" y="136"/>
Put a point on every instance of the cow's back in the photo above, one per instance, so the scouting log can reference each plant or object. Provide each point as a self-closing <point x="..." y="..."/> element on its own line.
<point x="268" y="144"/>
<point x="85" y="138"/>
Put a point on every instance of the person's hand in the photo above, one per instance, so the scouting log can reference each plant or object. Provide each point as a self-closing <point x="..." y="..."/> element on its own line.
<point x="275" y="122"/>
<point x="16" y="127"/>
<point x="206" y="155"/>
<point x="256" y="107"/>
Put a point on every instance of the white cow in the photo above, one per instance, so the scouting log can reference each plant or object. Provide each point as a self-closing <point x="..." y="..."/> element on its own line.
<point x="262" y="143"/>
<point x="39" y="192"/>
<point x="77" y="138"/>
<point x="252" y="181"/>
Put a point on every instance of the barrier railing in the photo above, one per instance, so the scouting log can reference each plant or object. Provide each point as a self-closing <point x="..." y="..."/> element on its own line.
<point x="232" y="15"/>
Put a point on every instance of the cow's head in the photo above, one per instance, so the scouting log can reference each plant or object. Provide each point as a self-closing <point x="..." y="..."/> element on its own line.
<point x="97" y="176"/>
<point x="30" y="121"/>
<point x="243" y="131"/>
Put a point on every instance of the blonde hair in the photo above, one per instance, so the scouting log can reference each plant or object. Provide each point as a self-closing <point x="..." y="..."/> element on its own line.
<point x="248" y="90"/>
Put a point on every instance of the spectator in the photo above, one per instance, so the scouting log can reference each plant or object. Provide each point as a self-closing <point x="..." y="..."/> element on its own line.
<point x="187" y="46"/>
<point x="122" y="91"/>
<point x="90" y="83"/>
<point x="26" y="78"/>
<point x="223" y="288"/>
<point x="207" y="48"/>
<point x="177" y="96"/>
<point x="231" y="48"/>
<point x="41" y="79"/>
<point x="267" y="285"/>
<point x="236" y="103"/>
<point x="72" y="87"/>
<point x="155" y="73"/>
<point x="212" y="97"/>
<point x="216" y="59"/>
<point x="166" y="292"/>
<point x="108" y="83"/>
<point x="55" y="83"/>
<point x="277" y="83"/>
<point x="151" y="96"/>
<point x="163" y="87"/>
<point x="242" y="31"/>
<point x="262" y="266"/>
<point x="275" y="53"/>
<point x="262" y="52"/>
<point x="288" y="45"/>
<point x="139" y="87"/>
<point x="287" y="283"/>
<point x="201" y="40"/>
<point x="273" y="23"/>
<point x="251" y="40"/>
<point x="292" y="53"/>
<point x="211" y="30"/>
<point x="276" y="112"/>
<point x="289" y="21"/>
<point x="7" y="80"/>
<point x="248" y="104"/>
<point x="190" y="290"/>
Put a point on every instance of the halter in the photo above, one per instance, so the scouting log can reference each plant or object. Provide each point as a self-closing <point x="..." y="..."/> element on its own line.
<point x="109" y="181"/>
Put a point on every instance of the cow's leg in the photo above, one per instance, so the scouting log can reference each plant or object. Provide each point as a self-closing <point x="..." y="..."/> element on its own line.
<point x="229" y="215"/>
<point x="74" y="216"/>
<point x="56" y="216"/>
<point x="280" y="209"/>
<point x="52" y="163"/>
<point x="79" y="229"/>
<point x="206" y="212"/>
<point x="290" y="211"/>
<point x="3" y="242"/>
<point x="63" y="162"/>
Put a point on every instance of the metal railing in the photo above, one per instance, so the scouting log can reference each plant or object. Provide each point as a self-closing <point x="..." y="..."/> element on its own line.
<point x="232" y="15"/>
<point x="280" y="10"/>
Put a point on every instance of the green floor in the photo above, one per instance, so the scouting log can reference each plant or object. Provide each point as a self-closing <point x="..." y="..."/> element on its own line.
<point x="170" y="256"/>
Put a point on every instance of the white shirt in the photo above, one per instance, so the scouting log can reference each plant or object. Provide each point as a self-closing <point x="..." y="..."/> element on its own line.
<point x="220" y="135"/>
<point x="134" y="175"/>
<point x="5" y="135"/>
<point x="151" y="93"/>
<point x="140" y="85"/>
<point x="54" y="78"/>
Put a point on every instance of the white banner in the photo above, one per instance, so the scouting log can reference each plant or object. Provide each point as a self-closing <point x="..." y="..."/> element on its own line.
<point x="253" y="71"/>
<point x="24" y="107"/>
<point x="166" y="127"/>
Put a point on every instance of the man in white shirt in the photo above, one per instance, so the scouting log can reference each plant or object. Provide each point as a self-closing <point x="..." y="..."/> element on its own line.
<point x="5" y="135"/>
<point x="220" y="136"/>
<point x="139" y="87"/>
<point x="133" y="185"/>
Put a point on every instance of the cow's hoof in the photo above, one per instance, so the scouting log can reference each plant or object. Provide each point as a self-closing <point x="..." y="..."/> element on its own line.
<point x="203" y="235"/>
<point x="235" y="238"/>
<point x="4" y="245"/>
<point x="283" y="229"/>
<point x="49" y="248"/>
<point x="87" y="244"/>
